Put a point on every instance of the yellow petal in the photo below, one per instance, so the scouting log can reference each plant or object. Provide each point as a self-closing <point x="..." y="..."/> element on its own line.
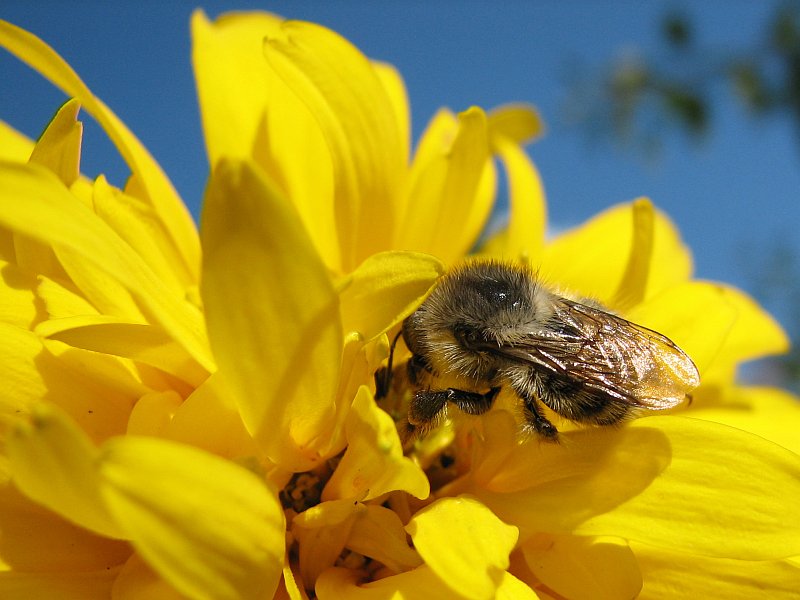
<point x="173" y="215"/>
<point x="37" y="257"/>
<point x="137" y="581"/>
<point x="633" y="285"/>
<point x="518" y="123"/>
<point x="208" y="420"/>
<point x="14" y="145"/>
<point x="108" y="295"/>
<point x="418" y="584"/>
<point x="718" y="326"/>
<point x="17" y="298"/>
<point x="63" y="586"/>
<point x="378" y="533"/>
<point x="232" y="85"/>
<point x="571" y="260"/>
<point x="576" y="567"/>
<point x="511" y="588"/>
<point x="395" y="88"/>
<point x="248" y="112"/>
<point x="152" y="414"/>
<point x="357" y="119"/>
<point x="54" y="463"/>
<point x="53" y="216"/>
<point x="464" y="543"/>
<point x="158" y="489"/>
<point x="97" y="390"/>
<point x="373" y="463"/>
<point x="357" y="368"/>
<point x="96" y="394"/>
<point x="59" y="147"/>
<point x="767" y="412"/>
<point x="269" y="301"/>
<point x="22" y="381"/>
<point x="444" y="189"/>
<point x="322" y="532"/>
<point x="385" y="289"/>
<point x="37" y="539"/>
<point x="674" y="485"/>
<point x="61" y="299"/>
<point x="524" y="238"/>
<point x="293" y="591"/>
<point x="688" y="576"/>
<point x="143" y="343"/>
<point x="135" y="222"/>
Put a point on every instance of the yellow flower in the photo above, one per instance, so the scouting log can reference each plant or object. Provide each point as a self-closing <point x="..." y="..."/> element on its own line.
<point x="297" y="98"/>
<point x="178" y="425"/>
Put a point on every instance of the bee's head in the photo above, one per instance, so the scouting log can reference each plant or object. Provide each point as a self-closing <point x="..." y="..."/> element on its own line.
<point x="472" y="309"/>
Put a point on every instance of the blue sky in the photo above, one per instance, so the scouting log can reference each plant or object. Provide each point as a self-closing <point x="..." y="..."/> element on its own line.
<point x="734" y="196"/>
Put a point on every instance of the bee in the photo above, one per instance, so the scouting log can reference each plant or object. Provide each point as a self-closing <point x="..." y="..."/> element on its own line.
<point x="489" y="325"/>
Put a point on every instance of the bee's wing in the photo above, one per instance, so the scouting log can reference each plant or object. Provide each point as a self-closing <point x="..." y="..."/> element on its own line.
<point x="609" y="354"/>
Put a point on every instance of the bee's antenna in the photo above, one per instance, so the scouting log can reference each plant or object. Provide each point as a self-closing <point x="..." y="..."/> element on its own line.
<point x="383" y="376"/>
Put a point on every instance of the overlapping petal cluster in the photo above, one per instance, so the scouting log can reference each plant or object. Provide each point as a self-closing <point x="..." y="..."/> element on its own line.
<point x="178" y="423"/>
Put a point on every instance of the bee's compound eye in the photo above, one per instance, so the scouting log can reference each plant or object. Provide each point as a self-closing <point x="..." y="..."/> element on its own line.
<point x="466" y="335"/>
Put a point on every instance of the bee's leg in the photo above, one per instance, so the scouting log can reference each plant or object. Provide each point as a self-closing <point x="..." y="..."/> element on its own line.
<point x="425" y="408"/>
<point x="427" y="405"/>
<point x="472" y="403"/>
<point x="533" y="415"/>
<point x="540" y="423"/>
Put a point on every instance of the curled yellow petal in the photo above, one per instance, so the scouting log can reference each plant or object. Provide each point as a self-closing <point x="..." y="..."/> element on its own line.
<point x="385" y="289"/>
<point x="633" y="285"/>
<point x="96" y="393"/>
<point x="378" y="533"/>
<point x="464" y="543"/>
<point x="156" y="489"/>
<point x="273" y="317"/>
<point x="518" y="123"/>
<point x="373" y="463"/>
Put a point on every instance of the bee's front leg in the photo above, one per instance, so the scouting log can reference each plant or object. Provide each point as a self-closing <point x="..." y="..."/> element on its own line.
<point x="427" y="405"/>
